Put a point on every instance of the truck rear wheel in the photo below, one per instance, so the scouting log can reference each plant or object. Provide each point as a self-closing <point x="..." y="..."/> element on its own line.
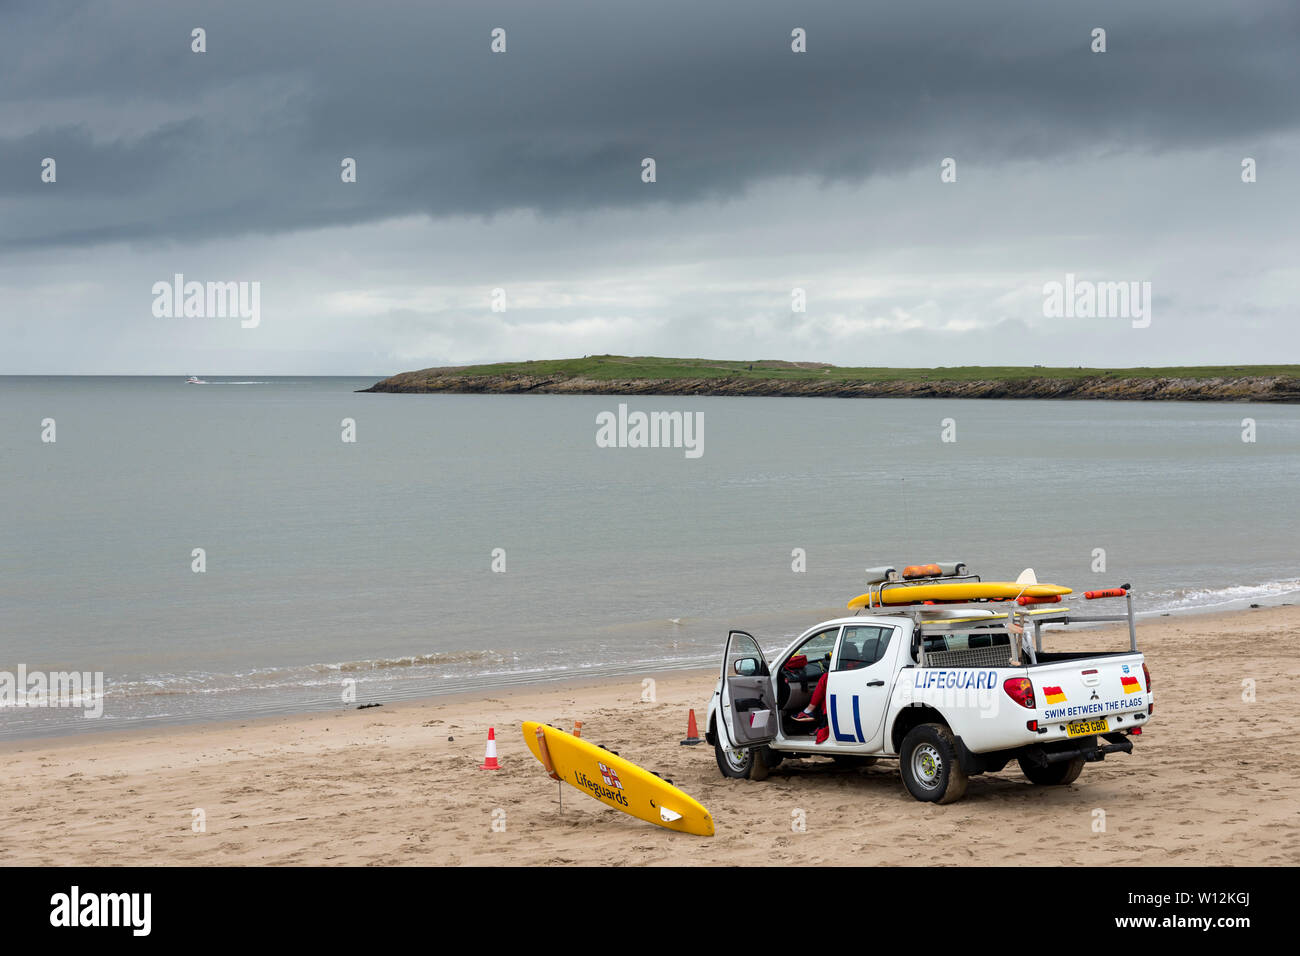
<point x="1054" y="774"/>
<point x="928" y="761"/>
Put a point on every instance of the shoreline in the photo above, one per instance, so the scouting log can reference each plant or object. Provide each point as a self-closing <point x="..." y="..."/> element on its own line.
<point x="632" y="674"/>
<point x="402" y="784"/>
<point x="540" y="683"/>
<point x="120" y="735"/>
<point x="540" y="680"/>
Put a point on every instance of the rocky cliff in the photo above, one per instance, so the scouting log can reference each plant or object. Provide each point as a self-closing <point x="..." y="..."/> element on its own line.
<point x="1101" y="387"/>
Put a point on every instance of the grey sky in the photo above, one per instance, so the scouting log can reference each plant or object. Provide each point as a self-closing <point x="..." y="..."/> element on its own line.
<point x="522" y="171"/>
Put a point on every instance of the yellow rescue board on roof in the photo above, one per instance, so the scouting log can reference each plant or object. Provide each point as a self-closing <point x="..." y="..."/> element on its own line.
<point x="619" y="783"/>
<point x="956" y="591"/>
<point x="961" y="617"/>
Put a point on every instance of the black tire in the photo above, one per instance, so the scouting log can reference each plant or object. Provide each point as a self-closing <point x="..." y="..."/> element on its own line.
<point x="735" y="764"/>
<point x="1054" y="774"/>
<point x="850" y="761"/>
<point x="928" y="760"/>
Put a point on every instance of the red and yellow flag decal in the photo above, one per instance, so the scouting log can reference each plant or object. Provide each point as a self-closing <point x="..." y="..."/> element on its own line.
<point x="1130" y="685"/>
<point x="1054" y="695"/>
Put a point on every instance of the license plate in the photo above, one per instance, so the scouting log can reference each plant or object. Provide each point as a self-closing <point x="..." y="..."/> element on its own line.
<point x="1086" y="728"/>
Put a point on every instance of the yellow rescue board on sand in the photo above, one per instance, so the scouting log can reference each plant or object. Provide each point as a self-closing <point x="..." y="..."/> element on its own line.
<point x="619" y="783"/>
<point x="966" y="591"/>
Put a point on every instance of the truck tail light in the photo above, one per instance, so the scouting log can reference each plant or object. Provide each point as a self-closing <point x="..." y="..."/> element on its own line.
<point x="1021" y="690"/>
<point x="1151" y="708"/>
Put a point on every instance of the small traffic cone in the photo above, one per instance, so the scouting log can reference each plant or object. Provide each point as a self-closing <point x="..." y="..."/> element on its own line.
<point x="490" y="758"/>
<point x="692" y="732"/>
<point x="577" y="728"/>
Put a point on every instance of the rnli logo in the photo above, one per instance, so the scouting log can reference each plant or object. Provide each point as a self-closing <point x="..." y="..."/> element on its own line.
<point x="609" y="776"/>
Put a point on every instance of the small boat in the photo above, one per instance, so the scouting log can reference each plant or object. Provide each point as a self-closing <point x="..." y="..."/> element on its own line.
<point x="194" y="380"/>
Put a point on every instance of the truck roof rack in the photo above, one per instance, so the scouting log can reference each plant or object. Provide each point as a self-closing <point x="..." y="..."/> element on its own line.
<point x="1014" y="620"/>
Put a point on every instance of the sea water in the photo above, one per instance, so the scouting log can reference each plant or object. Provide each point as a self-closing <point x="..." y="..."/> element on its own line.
<point x="221" y="550"/>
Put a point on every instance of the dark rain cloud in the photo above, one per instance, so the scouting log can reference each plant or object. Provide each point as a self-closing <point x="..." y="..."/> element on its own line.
<point x="155" y="143"/>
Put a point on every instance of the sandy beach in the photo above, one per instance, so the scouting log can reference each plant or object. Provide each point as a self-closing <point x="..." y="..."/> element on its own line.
<point x="1212" y="782"/>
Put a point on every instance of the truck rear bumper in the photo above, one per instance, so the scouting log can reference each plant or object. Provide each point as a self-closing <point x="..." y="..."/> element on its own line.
<point x="1042" y="755"/>
<point x="1086" y="747"/>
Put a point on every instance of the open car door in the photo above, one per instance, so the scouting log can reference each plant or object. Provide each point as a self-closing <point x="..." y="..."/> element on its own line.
<point x="749" y="715"/>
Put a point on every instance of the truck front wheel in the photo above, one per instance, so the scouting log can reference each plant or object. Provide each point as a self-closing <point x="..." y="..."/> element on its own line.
<point x="928" y="760"/>
<point x="732" y="763"/>
<point x="1054" y="774"/>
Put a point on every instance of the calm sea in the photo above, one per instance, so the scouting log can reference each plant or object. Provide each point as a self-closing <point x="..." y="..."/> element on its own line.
<point x="372" y="561"/>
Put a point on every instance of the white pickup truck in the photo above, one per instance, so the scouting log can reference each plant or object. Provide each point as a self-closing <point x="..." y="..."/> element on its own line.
<point x="948" y="697"/>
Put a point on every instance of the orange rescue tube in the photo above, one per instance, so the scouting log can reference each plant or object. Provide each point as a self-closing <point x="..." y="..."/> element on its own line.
<point x="1105" y="593"/>
<point x="546" y="754"/>
<point x="1054" y="599"/>
<point x="921" y="571"/>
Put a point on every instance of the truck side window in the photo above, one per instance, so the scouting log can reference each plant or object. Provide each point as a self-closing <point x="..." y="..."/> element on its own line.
<point x="862" y="646"/>
<point x="818" y="646"/>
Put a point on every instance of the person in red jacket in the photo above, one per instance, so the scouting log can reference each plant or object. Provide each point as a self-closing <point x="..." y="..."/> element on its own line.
<point x="815" y="712"/>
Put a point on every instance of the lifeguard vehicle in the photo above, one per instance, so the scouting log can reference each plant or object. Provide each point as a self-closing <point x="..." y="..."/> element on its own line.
<point x="943" y="672"/>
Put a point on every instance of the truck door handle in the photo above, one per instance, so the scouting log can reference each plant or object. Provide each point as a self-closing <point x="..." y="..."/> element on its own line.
<point x="875" y="683"/>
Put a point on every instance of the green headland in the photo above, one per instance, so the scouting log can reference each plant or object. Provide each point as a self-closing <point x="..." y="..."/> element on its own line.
<point x="649" y="375"/>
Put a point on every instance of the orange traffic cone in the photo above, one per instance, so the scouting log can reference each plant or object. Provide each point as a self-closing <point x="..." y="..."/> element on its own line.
<point x="490" y="758"/>
<point x="577" y="728"/>
<point x="692" y="732"/>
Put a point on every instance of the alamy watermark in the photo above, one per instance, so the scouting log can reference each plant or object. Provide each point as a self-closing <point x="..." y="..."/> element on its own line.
<point x="208" y="300"/>
<point x="974" y="688"/>
<point x="1082" y="299"/>
<point x="84" y="689"/>
<point x="126" y="910"/>
<point x="651" y="430"/>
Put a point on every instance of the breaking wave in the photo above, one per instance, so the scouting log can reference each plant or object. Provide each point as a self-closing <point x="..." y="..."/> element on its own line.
<point x="1197" y="599"/>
